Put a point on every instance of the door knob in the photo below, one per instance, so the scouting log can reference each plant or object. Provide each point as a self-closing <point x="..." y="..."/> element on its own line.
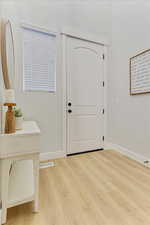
<point x="69" y="103"/>
<point x="69" y="111"/>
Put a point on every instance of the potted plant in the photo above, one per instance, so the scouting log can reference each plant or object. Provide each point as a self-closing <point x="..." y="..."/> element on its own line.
<point x="18" y="118"/>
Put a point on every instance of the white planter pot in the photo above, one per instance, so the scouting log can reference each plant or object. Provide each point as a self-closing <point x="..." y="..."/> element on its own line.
<point x="19" y="123"/>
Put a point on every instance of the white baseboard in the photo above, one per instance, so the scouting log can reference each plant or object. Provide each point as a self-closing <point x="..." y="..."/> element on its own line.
<point x="52" y="155"/>
<point x="107" y="146"/>
<point x="137" y="157"/>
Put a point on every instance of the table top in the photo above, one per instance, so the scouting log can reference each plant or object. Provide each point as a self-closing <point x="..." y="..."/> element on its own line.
<point x="29" y="127"/>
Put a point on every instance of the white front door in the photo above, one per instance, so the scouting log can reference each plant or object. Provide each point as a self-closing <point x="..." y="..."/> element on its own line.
<point x="85" y="96"/>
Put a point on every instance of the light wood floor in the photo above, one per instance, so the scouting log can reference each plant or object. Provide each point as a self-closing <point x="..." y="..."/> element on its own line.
<point x="99" y="188"/>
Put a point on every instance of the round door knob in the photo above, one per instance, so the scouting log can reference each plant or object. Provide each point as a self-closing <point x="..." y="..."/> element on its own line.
<point x="69" y="111"/>
<point x="69" y="104"/>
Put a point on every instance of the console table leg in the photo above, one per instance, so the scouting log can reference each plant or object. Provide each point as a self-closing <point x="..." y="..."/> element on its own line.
<point x="5" y="170"/>
<point x="36" y="183"/>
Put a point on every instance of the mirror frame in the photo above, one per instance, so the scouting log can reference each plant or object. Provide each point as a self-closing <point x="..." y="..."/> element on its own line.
<point x="3" y="51"/>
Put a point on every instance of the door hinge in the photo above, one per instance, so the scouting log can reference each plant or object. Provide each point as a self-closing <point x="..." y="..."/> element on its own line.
<point x="103" y="138"/>
<point x="103" y="56"/>
<point x="103" y="83"/>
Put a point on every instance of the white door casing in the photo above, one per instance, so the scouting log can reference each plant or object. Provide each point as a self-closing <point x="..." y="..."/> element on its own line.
<point x="85" y="92"/>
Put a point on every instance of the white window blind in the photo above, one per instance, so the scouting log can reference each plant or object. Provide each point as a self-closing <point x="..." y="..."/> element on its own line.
<point x="39" y="60"/>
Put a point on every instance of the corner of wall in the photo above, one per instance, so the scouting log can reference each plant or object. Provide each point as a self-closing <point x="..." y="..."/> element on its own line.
<point x="132" y="155"/>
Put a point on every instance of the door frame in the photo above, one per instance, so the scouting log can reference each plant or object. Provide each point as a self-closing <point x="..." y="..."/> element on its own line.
<point x="78" y="35"/>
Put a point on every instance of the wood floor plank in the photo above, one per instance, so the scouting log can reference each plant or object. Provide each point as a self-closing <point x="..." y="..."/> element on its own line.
<point x="98" y="188"/>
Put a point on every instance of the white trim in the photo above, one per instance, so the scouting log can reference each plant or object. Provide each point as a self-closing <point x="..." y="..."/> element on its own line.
<point x="38" y="28"/>
<point x="52" y="155"/>
<point x="48" y="164"/>
<point x="132" y="155"/>
<point x="105" y="77"/>
<point x="85" y="36"/>
<point x="64" y="95"/>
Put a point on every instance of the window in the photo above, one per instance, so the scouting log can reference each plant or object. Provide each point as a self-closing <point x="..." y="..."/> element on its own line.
<point x="39" y="60"/>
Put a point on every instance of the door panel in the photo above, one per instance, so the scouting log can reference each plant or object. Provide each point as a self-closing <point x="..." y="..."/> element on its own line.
<point x="85" y="92"/>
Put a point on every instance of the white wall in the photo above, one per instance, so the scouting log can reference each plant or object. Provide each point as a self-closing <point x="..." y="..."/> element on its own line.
<point x="84" y="16"/>
<point x="129" y="116"/>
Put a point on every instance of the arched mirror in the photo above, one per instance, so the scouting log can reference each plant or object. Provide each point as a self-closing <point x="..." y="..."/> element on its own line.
<point x="7" y="54"/>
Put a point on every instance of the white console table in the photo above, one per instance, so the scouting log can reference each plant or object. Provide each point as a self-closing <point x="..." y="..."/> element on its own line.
<point x="19" y="153"/>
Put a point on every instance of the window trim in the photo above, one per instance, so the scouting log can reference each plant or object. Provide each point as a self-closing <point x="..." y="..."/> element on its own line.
<point x="40" y="29"/>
